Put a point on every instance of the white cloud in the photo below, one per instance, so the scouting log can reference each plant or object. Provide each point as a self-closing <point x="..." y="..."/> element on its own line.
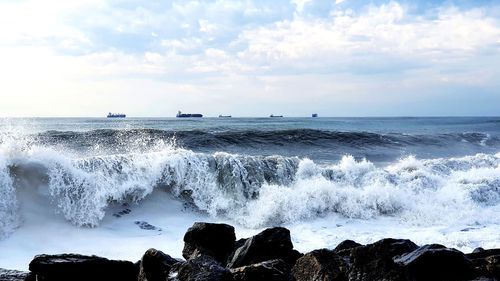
<point x="385" y="29"/>
<point x="240" y="51"/>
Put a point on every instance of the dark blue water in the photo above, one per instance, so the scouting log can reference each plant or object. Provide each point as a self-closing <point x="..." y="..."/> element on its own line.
<point x="379" y="140"/>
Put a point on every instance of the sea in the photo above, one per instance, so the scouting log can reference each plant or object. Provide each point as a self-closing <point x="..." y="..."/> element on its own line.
<point x="116" y="187"/>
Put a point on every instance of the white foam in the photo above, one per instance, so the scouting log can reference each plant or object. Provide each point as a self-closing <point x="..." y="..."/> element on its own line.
<point x="453" y="201"/>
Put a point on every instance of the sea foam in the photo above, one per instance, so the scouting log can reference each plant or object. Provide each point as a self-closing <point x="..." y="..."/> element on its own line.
<point x="254" y="191"/>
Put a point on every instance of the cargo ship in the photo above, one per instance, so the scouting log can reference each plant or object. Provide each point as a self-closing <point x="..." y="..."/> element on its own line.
<point x="116" y="115"/>
<point x="187" y="115"/>
<point x="275" y="116"/>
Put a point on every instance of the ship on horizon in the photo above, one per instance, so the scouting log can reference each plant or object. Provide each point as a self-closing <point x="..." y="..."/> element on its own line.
<point x="116" y="115"/>
<point x="187" y="115"/>
<point x="275" y="116"/>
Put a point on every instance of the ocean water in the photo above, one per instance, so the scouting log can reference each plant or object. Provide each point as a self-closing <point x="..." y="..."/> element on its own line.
<point x="116" y="187"/>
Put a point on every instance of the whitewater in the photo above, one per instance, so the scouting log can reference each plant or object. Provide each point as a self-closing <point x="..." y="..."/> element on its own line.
<point x="115" y="188"/>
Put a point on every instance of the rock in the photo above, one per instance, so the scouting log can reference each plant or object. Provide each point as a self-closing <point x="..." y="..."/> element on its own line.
<point x="276" y="270"/>
<point x="79" y="267"/>
<point x="436" y="262"/>
<point x="270" y="244"/>
<point x="201" y="268"/>
<point x="346" y="245"/>
<point x="484" y="262"/>
<point x="478" y="250"/>
<point x="482" y="254"/>
<point x="493" y="266"/>
<point x="216" y="240"/>
<point x="12" y="275"/>
<point x="320" y="265"/>
<point x="375" y="261"/>
<point x="146" y="226"/>
<point x="155" y="266"/>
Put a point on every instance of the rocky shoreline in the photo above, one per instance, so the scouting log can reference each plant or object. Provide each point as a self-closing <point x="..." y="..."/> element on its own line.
<point x="212" y="252"/>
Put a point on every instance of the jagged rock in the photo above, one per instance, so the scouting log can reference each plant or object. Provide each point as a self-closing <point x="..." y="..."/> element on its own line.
<point x="272" y="243"/>
<point x="320" y="265"/>
<point x="216" y="240"/>
<point x="237" y="245"/>
<point x="436" y="262"/>
<point x="276" y="270"/>
<point x="12" y="275"/>
<point x="79" y="267"/>
<point x="155" y="266"/>
<point x="375" y="261"/>
<point x="346" y="245"/>
<point x="201" y="268"/>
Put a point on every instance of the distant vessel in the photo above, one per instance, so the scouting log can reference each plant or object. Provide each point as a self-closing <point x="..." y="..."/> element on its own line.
<point x="273" y="116"/>
<point x="186" y="115"/>
<point x="315" y="115"/>
<point x="116" y="115"/>
<point x="225" y="116"/>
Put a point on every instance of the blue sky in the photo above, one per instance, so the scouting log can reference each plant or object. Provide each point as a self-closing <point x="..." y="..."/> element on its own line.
<point x="249" y="58"/>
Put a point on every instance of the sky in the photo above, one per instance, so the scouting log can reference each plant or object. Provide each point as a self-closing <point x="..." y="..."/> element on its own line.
<point x="85" y="58"/>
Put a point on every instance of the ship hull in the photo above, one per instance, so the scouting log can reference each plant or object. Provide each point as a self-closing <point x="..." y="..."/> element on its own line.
<point x="185" y="115"/>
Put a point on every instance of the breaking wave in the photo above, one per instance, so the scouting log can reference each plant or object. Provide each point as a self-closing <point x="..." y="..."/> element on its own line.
<point x="197" y="139"/>
<point x="251" y="190"/>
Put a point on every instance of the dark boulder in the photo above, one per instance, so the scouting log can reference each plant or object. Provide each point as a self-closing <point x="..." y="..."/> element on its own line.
<point x="320" y="265"/>
<point x="270" y="244"/>
<point x="276" y="270"/>
<point x="216" y="240"/>
<point x="200" y="268"/>
<point x="155" y="266"/>
<point x="12" y="275"/>
<point x="493" y="266"/>
<point x="482" y="254"/>
<point x="478" y="250"/>
<point x="346" y="245"/>
<point x="79" y="267"/>
<point x="375" y="261"/>
<point x="436" y="262"/>
<point x="486" y="262"/>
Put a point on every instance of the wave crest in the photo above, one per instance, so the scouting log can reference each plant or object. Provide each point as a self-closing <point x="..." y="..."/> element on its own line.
<point x="258" y="190"/>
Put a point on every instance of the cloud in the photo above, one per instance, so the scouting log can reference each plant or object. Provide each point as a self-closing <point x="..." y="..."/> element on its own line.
<point x="259" y="51"/>
<point x="386" y="30"/>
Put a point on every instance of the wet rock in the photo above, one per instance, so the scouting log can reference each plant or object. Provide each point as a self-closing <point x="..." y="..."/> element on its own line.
<point x="216" y="240"/>
<point x="375" y="261"/>
<point x="493" y="266"/>
<point x="346" y="245"/>
<point x="478" y="250"/>
<point x="276" y="270"/>
<point x="486" y="262"/>
<point x="482" y="254"/>
<point x="272" y="243"/>
<point x="122" y="213"/>
<point x="436" y="262"/>
<point x="79" y="267"/>
<point x="146" y="226"/>
<point x="201" y="268"/>
<point x="320" y="265"/>
<point x="155" y="266"/>
<point x="12" y="275"/>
